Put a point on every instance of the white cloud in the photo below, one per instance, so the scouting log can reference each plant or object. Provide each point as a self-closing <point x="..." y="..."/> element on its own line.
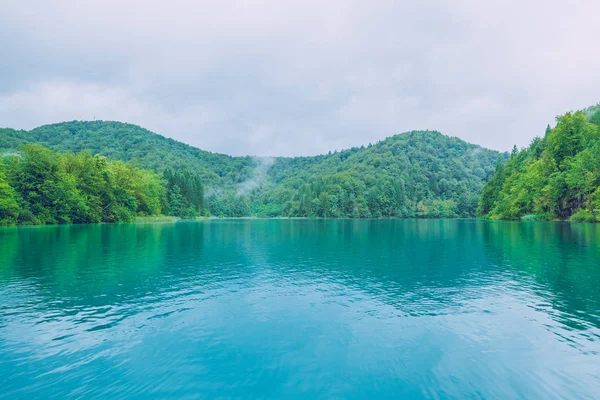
<point x="289" y="78"/>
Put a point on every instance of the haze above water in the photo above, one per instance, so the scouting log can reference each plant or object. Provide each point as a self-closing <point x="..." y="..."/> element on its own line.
<point x="301" y="308"/>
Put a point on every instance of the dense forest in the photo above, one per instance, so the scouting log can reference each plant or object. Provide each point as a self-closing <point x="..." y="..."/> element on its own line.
<point x="556" y="177"/>
<point x="82" y="172"/>
<point x="136" y="145"/>
<point x="414" y="174"/>
<point x="40" y="186"/>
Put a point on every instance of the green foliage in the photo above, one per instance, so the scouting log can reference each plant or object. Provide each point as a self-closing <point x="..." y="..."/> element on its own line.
<point x="583" y="216"/>
<point x="415" y="174"/>
<point x="51" y="188"/>
<point x="557" y="177"/>
<point x="593" y="114"/>
<point x="569" y="137"/>
<point x="9" y="208"/>
<point x="595" y="118"/>
<point x="185" y="194"/>
<point x="136" y="145"/>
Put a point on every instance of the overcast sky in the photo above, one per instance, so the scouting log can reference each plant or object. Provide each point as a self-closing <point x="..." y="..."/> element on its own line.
<point x="300" y="78"/>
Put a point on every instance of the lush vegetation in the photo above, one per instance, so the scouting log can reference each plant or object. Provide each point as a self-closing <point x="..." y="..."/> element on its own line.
<point x="40" y="186"/>
<point x="86" y="172"/>
<point x="136" y="145"/>
<point x="185" y="194"/>
<point x="556" y="177"/>
<point x="415" y="174"/>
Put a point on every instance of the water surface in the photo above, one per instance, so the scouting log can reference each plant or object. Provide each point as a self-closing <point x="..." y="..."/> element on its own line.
<point x="301" y="309"/>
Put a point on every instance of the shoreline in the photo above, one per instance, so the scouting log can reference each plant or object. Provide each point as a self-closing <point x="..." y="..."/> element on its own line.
<point x="174" y="220"/>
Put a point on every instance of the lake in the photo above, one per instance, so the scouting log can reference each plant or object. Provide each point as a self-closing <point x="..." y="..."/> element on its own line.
<point x="301" y="309"/>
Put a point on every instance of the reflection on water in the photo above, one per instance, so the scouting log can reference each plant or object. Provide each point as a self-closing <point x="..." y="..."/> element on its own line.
<point x="254" y="309"/>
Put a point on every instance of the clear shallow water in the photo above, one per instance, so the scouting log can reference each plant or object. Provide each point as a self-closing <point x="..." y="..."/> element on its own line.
<point x="301" y="309"/>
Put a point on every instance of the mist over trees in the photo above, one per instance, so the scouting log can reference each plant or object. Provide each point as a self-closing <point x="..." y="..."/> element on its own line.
<point x="415" y="174"/>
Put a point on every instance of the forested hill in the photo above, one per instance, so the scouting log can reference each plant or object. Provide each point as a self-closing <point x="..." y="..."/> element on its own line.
<point x="134" y="144"/>
<point x="556" y="177"/>
<point x="414" y="174"/>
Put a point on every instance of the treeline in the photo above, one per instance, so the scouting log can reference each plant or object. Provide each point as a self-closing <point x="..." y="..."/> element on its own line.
<point x="40" y="186"/>
<point x="556" y="177"/>
<point x="346" y="195"/>
<point x="136" y="145"/>
<point x="415" y="174"/>
<point x="185" y="194"/>
<point x="420" y="174"/>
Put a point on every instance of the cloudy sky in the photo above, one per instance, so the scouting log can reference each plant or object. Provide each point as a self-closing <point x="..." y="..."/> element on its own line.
<point x="300" y="77"/>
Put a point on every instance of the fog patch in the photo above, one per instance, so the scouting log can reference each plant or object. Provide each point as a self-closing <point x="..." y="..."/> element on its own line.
<point x="259" y="175"/>
<point x="10" y="153"/>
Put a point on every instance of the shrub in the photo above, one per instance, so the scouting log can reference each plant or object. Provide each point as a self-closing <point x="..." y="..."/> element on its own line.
<point x="582" y="216"/>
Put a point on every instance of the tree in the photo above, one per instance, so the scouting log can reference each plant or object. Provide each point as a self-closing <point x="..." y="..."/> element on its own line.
<point x="567" y="138"/>
<point x="175" y="201"/>
<point x="188" y="191"/>
<point x="324" y="205"/>
<point x="555" y="177"/>
<point x="9" y="208"/>
<point x="595" y="118"/>
<point x="384" y="179"/>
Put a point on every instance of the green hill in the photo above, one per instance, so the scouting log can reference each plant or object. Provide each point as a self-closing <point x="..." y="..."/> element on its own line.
<point x="556" y="177"/>
<point x="414" y="174"/>
<point x="131" y="143"/>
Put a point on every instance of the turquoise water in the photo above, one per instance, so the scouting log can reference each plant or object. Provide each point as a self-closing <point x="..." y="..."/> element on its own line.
<point x="301" y="309"/>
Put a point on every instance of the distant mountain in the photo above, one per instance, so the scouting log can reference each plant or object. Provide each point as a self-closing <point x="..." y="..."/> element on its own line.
<point x="414" y="174"/>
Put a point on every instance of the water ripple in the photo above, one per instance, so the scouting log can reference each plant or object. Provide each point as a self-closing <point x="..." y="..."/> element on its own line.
<point x="274" y="309"/>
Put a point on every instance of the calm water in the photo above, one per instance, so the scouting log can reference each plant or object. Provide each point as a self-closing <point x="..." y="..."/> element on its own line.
<point x="301" y="309"/>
